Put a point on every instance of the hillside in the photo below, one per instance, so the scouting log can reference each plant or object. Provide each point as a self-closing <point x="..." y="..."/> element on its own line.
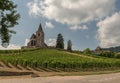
<point x="55" y="60"/>
<point x="113" y="49"/>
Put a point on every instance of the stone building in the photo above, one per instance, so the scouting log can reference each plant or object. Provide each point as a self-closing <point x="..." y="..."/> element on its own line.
<point x="37" y="40"/>
<point x="98" y="50"/>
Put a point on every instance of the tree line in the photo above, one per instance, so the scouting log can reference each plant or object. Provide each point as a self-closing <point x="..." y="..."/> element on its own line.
<point x="60" y="43"/>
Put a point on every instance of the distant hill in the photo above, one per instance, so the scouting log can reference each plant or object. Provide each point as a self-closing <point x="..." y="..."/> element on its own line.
<point x="113" y="49"/>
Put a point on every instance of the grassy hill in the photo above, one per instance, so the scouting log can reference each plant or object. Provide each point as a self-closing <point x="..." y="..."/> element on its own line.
<point x="56" y="60"/>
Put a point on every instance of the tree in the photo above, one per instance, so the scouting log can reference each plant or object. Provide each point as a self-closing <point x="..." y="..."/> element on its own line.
<point x="60" y="41"/>
<point x="117" y="55"/>
<point x="87" y="51"/>
<point x="107" y="54"/>
<point x="8" y="19"/>
<point x="69" y="45"/>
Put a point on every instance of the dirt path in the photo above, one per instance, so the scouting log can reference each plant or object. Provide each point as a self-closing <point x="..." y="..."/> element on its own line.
<point x="106" y="78"/>
<point x="80" y="55"/>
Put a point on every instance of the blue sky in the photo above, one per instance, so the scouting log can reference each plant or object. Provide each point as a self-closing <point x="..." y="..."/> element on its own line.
<point x="87" y="23"/>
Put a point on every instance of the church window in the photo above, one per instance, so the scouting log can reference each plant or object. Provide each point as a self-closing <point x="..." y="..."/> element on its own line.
<point x="32" y="43"/>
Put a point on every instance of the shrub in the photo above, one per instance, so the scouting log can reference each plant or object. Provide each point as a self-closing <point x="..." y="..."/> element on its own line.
<point x="107" y="54"/>
<point x="87" y="51"/>
<point x="77" y="51"/>
<point x="117" y="55"/>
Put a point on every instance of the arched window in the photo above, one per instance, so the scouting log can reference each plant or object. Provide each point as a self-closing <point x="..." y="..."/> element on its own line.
<point x="38" y="34"/>
<point x="33" y="43"/>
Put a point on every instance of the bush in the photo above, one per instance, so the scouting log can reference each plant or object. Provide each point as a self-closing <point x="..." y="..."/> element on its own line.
<point x="107" y="54"/>
<point x="117" y="55"/>
<point x="87" y="51"/>
<point x="76" y="51"/>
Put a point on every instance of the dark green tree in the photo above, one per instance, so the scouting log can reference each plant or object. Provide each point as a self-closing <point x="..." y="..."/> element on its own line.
<point x="60" y="41"/>
<point x="8" y="19"/>
<point x="69" y="45"/>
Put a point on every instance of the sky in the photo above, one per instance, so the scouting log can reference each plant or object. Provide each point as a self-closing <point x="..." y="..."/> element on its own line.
<point x="87" y="23"/>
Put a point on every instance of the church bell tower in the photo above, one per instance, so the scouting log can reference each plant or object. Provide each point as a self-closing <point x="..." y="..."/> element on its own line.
<point x="40" y="37"/>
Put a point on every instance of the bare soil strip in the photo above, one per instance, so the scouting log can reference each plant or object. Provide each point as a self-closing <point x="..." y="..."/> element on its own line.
<point x="8" y="73"/>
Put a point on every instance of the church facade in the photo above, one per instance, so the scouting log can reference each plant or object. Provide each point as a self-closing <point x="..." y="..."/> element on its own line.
<point x="37" y="40"/>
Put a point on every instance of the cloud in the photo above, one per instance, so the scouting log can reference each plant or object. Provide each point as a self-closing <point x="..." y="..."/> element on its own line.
<point x="109" y="31"/>
<point x="34" y="8"/>
<point x="10" y="47"/>
<point x="49" y="25"/>
<point x="51" y="42"/>
<point x="72" y="12"/>
<point x="26" y="41"/>
<point x="76" y="27"/>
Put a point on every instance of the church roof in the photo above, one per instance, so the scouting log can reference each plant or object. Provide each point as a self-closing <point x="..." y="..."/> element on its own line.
<point x="33" y="36"/>
<point x="40" y="28"/>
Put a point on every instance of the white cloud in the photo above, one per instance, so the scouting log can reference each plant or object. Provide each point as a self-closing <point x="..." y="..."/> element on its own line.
<point x="49" y="25"/>
<point x="51" y="42"/>
<point x="34" y="8"/>
<point x="10" y="47"/>
<point x="76" y="27"/>
<point x="26" y="41"/>
<point x="71" y="11"/>
<point x="109" y="31"/>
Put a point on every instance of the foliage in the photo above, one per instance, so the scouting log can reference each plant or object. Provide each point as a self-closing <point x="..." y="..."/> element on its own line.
<point x="60" y="41"/>
<point x="8" y="19"/>
<point x="51" y="58"/>
<point x="87" y="51"/>
<point x="77" y="51"/>
<point x="107" y="54"/>
<point x="117" y="55"/>
<point x="69" y="45"/>
<point x="16" y="51"/>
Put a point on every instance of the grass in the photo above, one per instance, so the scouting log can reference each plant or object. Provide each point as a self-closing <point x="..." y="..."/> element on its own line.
<point x="58" y="60"/>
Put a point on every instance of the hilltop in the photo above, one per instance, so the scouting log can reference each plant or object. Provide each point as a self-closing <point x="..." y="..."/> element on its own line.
<point x="53" y="60"/>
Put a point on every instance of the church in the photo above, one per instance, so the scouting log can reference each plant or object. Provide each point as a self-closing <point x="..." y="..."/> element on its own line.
<point x="37" y="40"/>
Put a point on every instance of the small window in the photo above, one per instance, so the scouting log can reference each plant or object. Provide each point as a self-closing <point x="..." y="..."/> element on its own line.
<point x="38" y="34"/>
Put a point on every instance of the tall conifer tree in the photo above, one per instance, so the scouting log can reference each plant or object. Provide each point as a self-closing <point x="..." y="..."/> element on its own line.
<point x="69" y="45"/>
<point x="60" y="41"/>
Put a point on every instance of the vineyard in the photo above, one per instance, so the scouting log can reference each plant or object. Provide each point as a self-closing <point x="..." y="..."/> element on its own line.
<point x="57" y="60"/>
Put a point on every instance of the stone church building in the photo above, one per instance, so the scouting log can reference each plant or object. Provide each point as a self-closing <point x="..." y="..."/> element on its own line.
<point x="37" y="40"/>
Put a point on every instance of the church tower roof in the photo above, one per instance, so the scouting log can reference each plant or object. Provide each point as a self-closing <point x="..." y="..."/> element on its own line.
<point x="40" y="28"/>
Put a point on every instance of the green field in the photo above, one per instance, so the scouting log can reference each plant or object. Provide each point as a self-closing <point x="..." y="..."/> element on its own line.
<point x="58" y="60"/>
